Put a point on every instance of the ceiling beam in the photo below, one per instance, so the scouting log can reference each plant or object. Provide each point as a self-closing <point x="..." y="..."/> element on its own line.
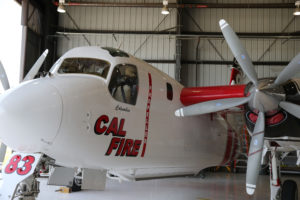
<point x="216" y="62"/>
<point x="175" y="5"/>
<point x="189" y="34"/>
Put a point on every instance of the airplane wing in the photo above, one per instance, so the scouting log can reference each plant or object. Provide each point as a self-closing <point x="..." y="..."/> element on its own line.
<point x="201" y="100"/>
<point x="195" y="95"/>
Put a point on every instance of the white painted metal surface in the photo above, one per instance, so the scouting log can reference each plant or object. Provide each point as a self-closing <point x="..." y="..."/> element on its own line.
<point x="93" y="179"/>
<point x="61" y="176"/>
<point x="63" y="127"/>
<point x="84" y="125"/>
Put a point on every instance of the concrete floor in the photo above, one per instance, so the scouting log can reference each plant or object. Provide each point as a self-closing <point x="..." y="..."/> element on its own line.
<point x="216" y="186"/>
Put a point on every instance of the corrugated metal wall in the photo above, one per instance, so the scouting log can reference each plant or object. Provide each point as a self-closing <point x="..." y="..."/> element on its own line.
<point x="241" y="20"/>
<point x="152" y="47"/>
<point x="156" y="47"/>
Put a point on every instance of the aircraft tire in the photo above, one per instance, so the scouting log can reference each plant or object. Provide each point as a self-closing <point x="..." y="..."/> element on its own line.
<point x="76" y="186"/>
<point x="289" y="190"/>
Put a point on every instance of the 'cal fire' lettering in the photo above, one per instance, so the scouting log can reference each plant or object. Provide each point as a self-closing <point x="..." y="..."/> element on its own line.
<point x="119" y="144"/>
<point x="114" y="127"/>
<point x="128" y="147"/>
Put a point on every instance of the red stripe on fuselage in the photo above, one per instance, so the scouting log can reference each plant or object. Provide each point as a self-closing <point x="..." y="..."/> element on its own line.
<point x="232" y="143"/>
<point x="228" y="152"/>
<point x="147" y="115"/>
<point x="233" y="153"/>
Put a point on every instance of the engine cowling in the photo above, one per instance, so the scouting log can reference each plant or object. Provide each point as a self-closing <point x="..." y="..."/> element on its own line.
<point x="279" y="123"/>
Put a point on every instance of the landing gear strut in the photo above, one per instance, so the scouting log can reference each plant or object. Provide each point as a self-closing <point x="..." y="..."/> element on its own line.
<point x="28" y="189"/>
<point x="275" y="185"/>
<point x="286" y="191"/>
<point x="20" y="176"/>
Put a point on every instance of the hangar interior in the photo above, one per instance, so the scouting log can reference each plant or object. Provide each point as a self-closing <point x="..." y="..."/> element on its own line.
<point x="187" y="44"/>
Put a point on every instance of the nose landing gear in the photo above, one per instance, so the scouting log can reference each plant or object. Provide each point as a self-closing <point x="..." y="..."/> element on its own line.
<point x="20" y="176"/>
<point x="289" y="190"/>
<point x="286" y="191"/>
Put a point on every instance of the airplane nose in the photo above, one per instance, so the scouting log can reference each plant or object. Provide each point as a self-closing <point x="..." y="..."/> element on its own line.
<point x="30" y="116"/>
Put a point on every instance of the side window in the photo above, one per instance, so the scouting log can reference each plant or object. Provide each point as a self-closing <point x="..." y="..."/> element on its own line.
<point x="123" y="84"/>
<point x="169" y="92"/>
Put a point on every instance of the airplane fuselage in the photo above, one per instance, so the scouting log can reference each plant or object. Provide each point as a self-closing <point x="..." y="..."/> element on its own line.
<point x="74" y="118"/>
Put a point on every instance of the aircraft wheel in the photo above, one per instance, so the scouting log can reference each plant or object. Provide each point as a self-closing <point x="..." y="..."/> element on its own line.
<point x="76" y="185"/>
<point x="289" y="190"/>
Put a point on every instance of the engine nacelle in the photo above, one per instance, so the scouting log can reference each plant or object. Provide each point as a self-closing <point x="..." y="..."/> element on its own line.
<point x="279" y="123"/>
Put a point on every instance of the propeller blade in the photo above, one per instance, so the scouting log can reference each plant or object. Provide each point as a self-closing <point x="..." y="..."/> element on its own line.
<point x="36" y="67"/>
<point x="289" y="71"/>
<point x="211" y="106"/>
<point x="3" y="77"/>
<point x="255" y="153"/>
<point x="291" y="108"/>
<point x="238" y="51"/>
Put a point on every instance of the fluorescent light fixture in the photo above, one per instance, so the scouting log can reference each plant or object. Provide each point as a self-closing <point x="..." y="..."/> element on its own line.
<point x="165" y="10"/>
<point x="297" y="10"/>
<point x="61" y="8"/>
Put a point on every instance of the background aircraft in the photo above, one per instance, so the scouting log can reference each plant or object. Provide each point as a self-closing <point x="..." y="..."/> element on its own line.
<point x="100" y="111"/>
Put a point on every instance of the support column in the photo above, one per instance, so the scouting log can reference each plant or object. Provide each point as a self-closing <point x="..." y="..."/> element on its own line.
<point x="24" y="20"/>
<point x="178" y="46"/>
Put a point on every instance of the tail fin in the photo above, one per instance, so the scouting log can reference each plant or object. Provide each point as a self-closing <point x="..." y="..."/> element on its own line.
<point x="236" y="74"/>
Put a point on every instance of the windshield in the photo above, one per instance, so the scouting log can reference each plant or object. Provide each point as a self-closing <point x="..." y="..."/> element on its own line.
<point x="85" y="66"/>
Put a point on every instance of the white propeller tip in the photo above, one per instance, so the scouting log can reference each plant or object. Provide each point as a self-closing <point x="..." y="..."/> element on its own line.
<point x="179" y="113"/>
<point x="222" y="23"/>
<point x="250" y="189"/>
<point x="46" y="52"/>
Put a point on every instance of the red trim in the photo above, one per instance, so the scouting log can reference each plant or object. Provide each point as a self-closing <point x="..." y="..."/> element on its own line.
<point x="227" y="156"/>
<point x="194" y="95"/>
<point x="201" y="6"/>
<point x="234" y="73"/>
<point x="246" y="139"/>
<point x="236" y="141"/>
<point x="147" y="114"/>
<point x="270" y="120"/>
<point x="258" y="133"/>
<point x="255" y="152"/>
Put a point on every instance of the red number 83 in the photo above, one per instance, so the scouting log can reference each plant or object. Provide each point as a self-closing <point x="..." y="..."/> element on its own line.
<point x="12" y="166"/>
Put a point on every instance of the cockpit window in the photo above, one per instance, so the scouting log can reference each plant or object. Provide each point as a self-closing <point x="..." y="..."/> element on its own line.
<point x="115" y="52"/>
<point x="123" y="85"/>
<point x="85" y="66"/>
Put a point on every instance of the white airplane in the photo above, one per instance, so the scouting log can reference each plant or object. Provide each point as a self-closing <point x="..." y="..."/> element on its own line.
<point x="102" y="112"/>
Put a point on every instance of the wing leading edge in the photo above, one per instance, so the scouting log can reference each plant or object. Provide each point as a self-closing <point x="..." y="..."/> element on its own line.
<point x="190" y="96"/>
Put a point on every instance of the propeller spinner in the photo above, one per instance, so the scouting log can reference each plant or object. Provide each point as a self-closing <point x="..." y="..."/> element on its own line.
<point x="264" y="96"/>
